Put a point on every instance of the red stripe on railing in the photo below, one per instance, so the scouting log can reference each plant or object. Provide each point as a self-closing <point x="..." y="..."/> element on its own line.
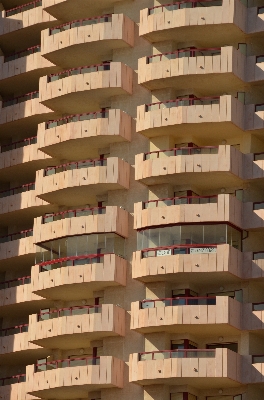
<point x="77" y="164"/>
<point x="172" y="199"/>
<point x="18" y="327"/>
<point x="94" y="211"/>
<point x="185" y="247"/>
<point x="189" y="150"/>
<point x="23" y="234"/>
<point x="18" y="9"/>
<point x="181" y="301"/>
<point x="29" y="186"/>
<point x="17" y="280"/>
<point x="192" y="52"/>
<point x="68" y="71"/>
<point x="97" y="114"/>
<point x="183" y="353"/>
<point x="24" y="142"/>
<point x="62" y="260"/>
<point x="106" y="16"/>
<point x="21" y="99"/>
<point x="191" y="101"/>
<point x="60" y="311"/>
<point x="21" y="53"/>
<point x="181" y="2"/>
<point x="15" y="378"/>
<point x="67" y="362"/>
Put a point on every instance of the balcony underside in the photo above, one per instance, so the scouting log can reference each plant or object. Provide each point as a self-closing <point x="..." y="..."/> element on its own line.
<point x="27" y="307"/>
<point x="90" y="53"/>
<point x="16" y="262"/>
<point x="201" y="33"/>
<point x="70" y="392"/>
<point x="23" y="215"/>
<point x="82" y="101"/>
<point x="22" y="356"/>
<point x="204" y="84"/>
<point x="81" y="148"/>
<point x="73" y="196"/>
<point x="201" y="130"/>
<point x="203" y="180"/>
<point x="65" y="342"/>
<point x="199" y="383"/>
<point x="24" y="169"/>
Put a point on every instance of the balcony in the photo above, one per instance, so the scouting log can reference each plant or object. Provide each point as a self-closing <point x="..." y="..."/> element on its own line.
<point x="173" y="263"/>
<point x="80" y="182"/>
<point x="84" y="133"/>
<point x="190" y="209"/>
<point x="60" y="328"/>
<point x="219" y="166"/>
<point x="57" y="379"/>
<point x="221" y="315"/>
<point x="206" y="368"/>
<point x="65" y="10"/>
<point x="17" y="247"/>
<point x="68" y="223"/>
<point x="22" y="114"/>
<point x="20" y="68"/>
<point x="78" y="277"/>
<point x="186" y="20"/>
<point x="17" y="295"/>
<point x="220" y="115"/>
<point x="22" y="23"/>
<point x="205" y="69"/>
<point x="87" y="41"/>
<point x="13" y="387"/>
<point x="22" y="157"/>
<point x="83" y="89"/>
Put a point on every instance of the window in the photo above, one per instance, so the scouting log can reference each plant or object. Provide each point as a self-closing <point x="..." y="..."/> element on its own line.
<point x="230" y="346"/>
<point x="234" y="294"/>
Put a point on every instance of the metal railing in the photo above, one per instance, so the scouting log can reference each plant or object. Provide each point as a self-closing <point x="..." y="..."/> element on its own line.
<point x="15" y="282"/>
<point x="99" y="162"/>
<point x="81" y="22"/>
<point x="23" y="53"/>
<point x="19" y="144"/>
<point x="14" y="330"/>
<point x="23" y="8"/>
<point x="65" y="312"/>
<point x="16" y="236"/>
<point x="178" y="301"/>
<point x="80" y="70"/>
<point x="80" y="212"/>
<point x="69" y="362"/>
<point x="181" y="151"/>
<point x="178" y="249"/>
<point x="21" y="99"/>
<point x="184" y="53"/>
<point x="13" y="379"/>
<point x="258" y="205"/>
<point x="180" y="200"/>
<point x="182" y="353"/>
<point x="183" y="102"/>
<point x="70" y="262"/>
<point x="184" y="4"/>
<point x="76" y="118"/>
<point x="19" y="189"/>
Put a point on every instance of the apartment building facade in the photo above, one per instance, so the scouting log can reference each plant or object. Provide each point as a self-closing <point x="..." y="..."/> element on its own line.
<point x="132" y="200"/>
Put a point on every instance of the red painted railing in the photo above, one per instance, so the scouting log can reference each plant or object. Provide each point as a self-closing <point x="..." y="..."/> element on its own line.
<point x="172" y="201"/>
<point x="189" y="52"/>
<point x="178" y="301"/>
<point x="258" y="255"/>
<point x="20" y="99"/>
<point x="62" y="312"/>
<point x="98" y="162"/>
<point x="177" y="249"/>
<point x="16" y="236"/>
<point x="69" y="362"/>
<point x="258" y="205"/>
<point x="19" y="189"/>
<point x="23" y="7"/>
<point x="182" y="4"/>
<point x="181" y="151"/>
<point x="13" y="379"/>
<point x="15" y="282"/>
<point x="182" y="353"/>
<point x="81" y="22"/>
<point x="14" y="330"/>
<point x="80" y="70"/>
<point x="71" y="261"/>
<point x="79" y="212"/>
<point x="183" y="101"/>
<point x="258" y="156"/>
<point x="18" y="144"/>
<point x="22" y="53"/>
<point x="77" y="117"/>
